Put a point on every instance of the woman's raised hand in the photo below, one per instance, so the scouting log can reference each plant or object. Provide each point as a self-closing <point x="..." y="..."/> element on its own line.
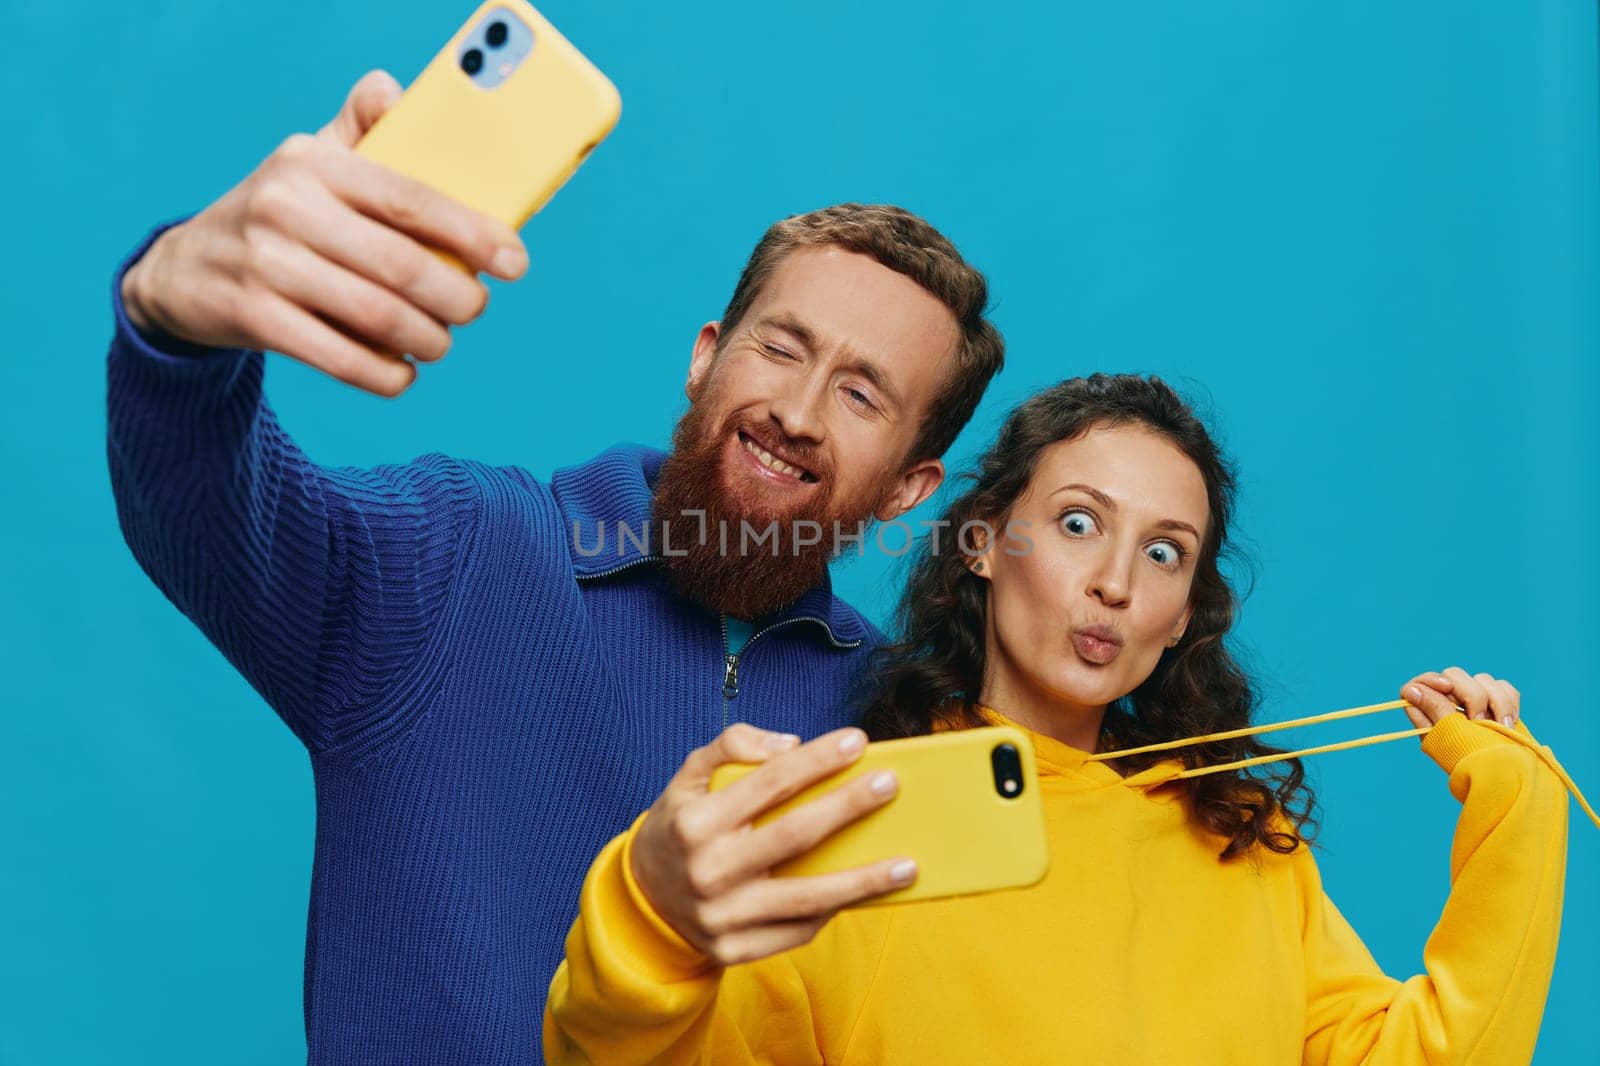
<point x="1430" y="697"/>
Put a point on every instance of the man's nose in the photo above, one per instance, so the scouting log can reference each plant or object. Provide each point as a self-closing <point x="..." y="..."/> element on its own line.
<point x="798" y="412"/>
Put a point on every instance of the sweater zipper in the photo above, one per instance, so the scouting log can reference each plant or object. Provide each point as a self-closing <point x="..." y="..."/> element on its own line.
<point x="730" y="659"/>
<point x="730" y="670"/>
<point x="616" y="569"/>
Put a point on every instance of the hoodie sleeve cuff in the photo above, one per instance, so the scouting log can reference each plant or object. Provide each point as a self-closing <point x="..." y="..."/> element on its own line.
<point x="1455" y="737"/>
<point x="154" y="344"/>
<point x="633" y="927"/>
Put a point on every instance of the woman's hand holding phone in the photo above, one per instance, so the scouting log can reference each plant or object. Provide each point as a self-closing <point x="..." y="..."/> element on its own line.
<point x="705" y="868"/>
<point x="325" y="256"/>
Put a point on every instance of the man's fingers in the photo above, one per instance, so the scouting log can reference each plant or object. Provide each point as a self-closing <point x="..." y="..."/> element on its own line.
<point x="480" y="242"/>
<point x="374" y="94"/>
<point x="770" y="900"/>
<point x="392" y="260"/>
<point x="369" y="313"/>
<point x="301" y="335"/>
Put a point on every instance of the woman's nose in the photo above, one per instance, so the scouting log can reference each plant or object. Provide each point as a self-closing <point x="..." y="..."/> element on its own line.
<point x="1109" y="583"/>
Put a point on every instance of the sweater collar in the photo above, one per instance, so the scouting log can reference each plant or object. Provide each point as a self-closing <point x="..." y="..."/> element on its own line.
<point x="605" y="508"/>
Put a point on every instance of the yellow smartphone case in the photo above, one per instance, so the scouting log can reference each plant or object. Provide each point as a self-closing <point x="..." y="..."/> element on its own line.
<point x="504" y="150"/>
<point x="948" y="815"/>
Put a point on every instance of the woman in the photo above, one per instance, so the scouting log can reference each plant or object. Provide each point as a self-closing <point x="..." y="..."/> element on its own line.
<point x="1182" y="920"/>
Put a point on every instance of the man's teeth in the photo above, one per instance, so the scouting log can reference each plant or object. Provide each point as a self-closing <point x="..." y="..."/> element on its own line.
<point x="771" y="461"/>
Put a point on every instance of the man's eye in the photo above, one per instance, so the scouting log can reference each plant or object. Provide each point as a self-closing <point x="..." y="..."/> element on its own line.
<point x="1079" y="523"/>
<point x="860" y="397"/>
<point x="777" y="352"/>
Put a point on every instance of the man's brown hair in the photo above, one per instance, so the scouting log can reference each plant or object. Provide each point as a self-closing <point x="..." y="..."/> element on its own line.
<point x="908" y="245"/>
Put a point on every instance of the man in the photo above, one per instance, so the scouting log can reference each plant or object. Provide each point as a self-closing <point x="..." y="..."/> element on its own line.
<point x="494" y="675"/>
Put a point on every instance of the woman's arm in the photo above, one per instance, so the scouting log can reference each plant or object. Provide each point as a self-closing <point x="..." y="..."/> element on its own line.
<point x="681" y="948"/>
<point x="631" y="990"/>
<point x="1489" y="959"/>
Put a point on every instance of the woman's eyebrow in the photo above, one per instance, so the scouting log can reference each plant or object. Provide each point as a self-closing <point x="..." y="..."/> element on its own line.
<point x="1111" y="505"/>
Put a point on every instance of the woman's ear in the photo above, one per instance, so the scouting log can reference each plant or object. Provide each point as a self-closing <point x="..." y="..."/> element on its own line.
<point x="1182" y="626"/>
<point x="980" y="559"/>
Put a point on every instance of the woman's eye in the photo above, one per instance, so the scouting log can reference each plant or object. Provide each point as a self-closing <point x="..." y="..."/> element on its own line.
<point x="1079" y="523"/>
<point x="1164" y="554"/>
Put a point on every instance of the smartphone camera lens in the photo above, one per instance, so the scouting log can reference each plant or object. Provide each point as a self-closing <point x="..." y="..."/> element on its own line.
<point x="497" y="34"/>
<point x="1007" y="765"/>
<point x="472" y="61"/>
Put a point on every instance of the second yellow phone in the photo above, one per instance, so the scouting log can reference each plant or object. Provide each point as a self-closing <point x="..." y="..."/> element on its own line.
<point x="501" y="117"/>
<point x="967" y="811"/>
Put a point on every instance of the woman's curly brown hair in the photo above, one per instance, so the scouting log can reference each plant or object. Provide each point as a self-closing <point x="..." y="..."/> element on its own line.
<point x="934" y="670"/>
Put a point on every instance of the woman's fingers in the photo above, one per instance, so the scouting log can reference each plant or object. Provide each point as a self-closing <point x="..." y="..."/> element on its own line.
<point x="1426" y="706"/>
<point x="1481" y="697"/>
<point x="770" y="900"/>
<point x="1436" y="681"/>
<point x="1433" y="683"/>
<point x="1470" y="695"/>
<point x="1504" y="700"/>
<point x="746" y="945"/>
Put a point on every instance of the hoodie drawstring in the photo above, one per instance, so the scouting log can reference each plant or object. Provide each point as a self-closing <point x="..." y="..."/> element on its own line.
<point x="1516" y="733"/>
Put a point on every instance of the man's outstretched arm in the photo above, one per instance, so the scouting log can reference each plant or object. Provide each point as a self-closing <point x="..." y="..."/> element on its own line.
<point x="323" y="586"/>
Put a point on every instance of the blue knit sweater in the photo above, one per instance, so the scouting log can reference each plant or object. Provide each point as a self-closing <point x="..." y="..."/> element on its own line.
<point x="484" y="705"/>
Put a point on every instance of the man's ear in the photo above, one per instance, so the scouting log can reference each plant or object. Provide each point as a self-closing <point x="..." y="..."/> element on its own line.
<point x="705" y="353"/>
<point x="914" y="486"/>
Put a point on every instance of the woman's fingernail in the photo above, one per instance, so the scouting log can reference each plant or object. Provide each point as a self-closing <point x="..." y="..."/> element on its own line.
<point x="903" y="872"/>
<point x="852" y="742"/>
<point x="1413" y="693"/>
<point x="781" y="741"/>
<point x="510" y="261"/>
<point x="883" y="783"/>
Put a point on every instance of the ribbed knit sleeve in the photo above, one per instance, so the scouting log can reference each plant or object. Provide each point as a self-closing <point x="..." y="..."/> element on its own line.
<point x="327" y="588"/>
<point x="1490" y="957"/>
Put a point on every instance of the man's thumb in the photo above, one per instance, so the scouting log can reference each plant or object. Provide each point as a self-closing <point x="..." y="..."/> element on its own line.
<point x="374" y="94"/>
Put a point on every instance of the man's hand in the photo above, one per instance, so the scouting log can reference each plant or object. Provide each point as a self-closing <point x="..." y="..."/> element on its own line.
<point x="705" y="869"/>
<point x="324" y="255"/>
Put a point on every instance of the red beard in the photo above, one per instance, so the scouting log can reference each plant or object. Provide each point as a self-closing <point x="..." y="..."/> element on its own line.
<point x="742" y="559"/>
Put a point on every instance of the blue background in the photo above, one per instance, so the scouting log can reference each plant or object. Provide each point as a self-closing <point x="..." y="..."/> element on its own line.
<point x="1364" y="233"/>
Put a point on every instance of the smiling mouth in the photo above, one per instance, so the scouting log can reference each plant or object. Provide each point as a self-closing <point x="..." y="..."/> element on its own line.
<point x="773" y="463"/>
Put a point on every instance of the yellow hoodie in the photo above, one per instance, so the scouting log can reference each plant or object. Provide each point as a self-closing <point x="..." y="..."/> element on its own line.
<point x="1139" y="946"/>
